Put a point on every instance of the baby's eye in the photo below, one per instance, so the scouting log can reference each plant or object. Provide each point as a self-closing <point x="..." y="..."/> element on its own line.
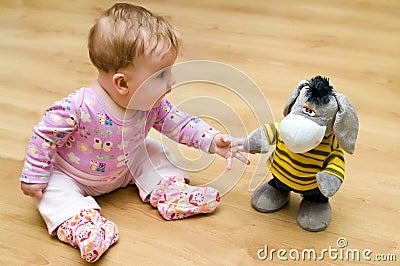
<point x="161" y="75"/>
<point x="309" y="110"/>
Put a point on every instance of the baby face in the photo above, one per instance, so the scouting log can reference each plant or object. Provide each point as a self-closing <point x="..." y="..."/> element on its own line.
<point x="149" y="79"/>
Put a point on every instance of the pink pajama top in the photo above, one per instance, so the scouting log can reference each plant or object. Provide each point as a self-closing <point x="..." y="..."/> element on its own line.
<point x="81" y="137"/>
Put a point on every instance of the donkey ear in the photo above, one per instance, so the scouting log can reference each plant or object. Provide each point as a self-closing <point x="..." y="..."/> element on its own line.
<point x="294" y="96"/>
<point x="346" y="124"/>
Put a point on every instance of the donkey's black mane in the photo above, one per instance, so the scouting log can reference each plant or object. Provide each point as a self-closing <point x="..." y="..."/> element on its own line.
<point x="319" y="91"/>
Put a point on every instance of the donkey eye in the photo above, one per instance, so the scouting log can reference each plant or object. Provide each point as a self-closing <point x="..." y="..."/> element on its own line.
<point x="309" y="110"/>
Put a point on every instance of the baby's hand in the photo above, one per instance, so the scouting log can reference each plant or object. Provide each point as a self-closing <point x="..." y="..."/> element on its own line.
<point x="228" y="147"/>
<point x="33" y="190"/>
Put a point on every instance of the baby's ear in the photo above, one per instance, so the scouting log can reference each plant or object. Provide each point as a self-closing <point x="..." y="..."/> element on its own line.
<point x="295" y="94"/>
<point x="346" y="124"/>
<point x="120" y="83"/>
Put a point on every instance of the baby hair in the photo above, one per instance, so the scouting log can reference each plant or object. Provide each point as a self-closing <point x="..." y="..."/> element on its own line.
<point x="124" y="32"/>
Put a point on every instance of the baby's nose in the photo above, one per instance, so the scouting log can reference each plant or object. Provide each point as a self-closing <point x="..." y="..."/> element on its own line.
<point x="170" y="84"/>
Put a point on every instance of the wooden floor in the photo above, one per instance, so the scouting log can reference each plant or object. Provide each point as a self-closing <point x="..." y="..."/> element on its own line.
<point x="43" y="57"/>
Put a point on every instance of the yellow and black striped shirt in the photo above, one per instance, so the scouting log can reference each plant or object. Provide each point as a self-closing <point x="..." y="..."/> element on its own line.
<point x="298" y="170"/>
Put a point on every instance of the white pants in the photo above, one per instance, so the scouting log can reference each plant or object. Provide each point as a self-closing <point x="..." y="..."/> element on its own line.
<point x="64" y="196"/>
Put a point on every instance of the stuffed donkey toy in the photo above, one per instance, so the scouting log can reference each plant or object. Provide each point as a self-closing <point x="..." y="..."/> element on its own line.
<point x="319" y="124"/>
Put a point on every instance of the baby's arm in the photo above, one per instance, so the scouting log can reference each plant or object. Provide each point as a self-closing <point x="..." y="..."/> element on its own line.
<point x="52" y="131"/>
<point x="183" y="127"/>
<point x="194" y="132"/>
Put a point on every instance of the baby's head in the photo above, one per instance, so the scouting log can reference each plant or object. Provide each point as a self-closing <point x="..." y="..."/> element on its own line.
<point x="128" y="44"/>
<point x="125" y="32"/>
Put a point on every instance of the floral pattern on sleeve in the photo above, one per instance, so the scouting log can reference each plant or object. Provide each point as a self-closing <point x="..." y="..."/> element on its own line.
<point x="183" y="127"/>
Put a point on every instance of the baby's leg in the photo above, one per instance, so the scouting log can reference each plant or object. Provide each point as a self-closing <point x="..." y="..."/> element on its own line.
<point x="162" y="181"/>
<point x="75" y="218"/>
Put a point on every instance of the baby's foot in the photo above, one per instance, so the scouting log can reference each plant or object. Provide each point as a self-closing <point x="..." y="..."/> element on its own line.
<point x="90" y="232"/>
<point x="162" y="186"/>
<point x="181" y="200"/>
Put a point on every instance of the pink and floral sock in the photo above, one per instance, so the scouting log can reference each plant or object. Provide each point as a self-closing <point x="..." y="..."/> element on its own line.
<point x="90" y="232"/>
<point x="177" y="200"/>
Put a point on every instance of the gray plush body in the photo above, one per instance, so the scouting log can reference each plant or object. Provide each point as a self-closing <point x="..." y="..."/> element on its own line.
<point x="313" y="111"/>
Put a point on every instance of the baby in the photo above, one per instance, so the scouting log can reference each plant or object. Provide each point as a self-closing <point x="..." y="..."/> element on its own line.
<point x="95" y="140"/>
